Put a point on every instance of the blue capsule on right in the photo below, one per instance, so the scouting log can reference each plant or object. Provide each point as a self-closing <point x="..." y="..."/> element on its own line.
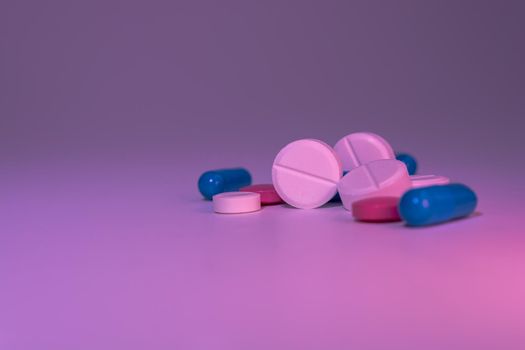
<point x="437" y="204"/>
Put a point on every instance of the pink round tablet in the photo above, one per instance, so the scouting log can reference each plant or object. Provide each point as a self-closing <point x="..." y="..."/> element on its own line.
<point x="267" y="192"/>
<point x="236" y="202"/>
<point x="380" y="178"/>
<point x="361" y="148"/>
<point x="305" y="173"/>
<point x="428" y="180"/>
<point x="376" y="209"/>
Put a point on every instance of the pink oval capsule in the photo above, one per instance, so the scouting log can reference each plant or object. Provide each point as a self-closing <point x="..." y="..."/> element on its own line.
<point x="267" y="192"/>
<point x="376" y="209"/>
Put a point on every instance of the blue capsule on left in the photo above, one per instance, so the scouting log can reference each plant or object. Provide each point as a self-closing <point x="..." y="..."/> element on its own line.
<point x="223" y="180"/>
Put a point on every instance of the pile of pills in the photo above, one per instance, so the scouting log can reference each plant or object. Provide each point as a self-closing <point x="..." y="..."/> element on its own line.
<point x="361" y="170"/>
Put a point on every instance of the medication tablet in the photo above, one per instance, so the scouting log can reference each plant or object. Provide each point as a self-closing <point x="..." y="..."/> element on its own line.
<point x="223" y="180"/>
<point x="409" y="161"/>
<point x="428" y="180"/>
<point x="236" y="202"/>
<point x="362" y="148"/>
<point x="305" y="173"/>
<point x="436" y="204"/>
<point x="381" y="178"/>
<point x="267" y="192"/>
<point x="376" y="209"/>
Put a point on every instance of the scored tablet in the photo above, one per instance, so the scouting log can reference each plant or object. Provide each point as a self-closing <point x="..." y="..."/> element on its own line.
<point x="361" y="148"/>
<point x="305" y="173"/>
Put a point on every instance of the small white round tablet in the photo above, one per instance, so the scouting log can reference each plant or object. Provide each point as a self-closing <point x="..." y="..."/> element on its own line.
<point x="236" y="202"/>
<point x="305" y="173"/>
<point x="361" y="148"/>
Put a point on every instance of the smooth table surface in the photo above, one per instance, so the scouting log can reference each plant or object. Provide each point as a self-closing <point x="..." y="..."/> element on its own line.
<point x="128" y="256"/>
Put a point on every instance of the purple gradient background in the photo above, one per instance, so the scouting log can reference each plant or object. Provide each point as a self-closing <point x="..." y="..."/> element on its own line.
<point x="110" y="110"/>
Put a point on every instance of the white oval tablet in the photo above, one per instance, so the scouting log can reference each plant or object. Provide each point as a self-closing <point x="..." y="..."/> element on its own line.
<point x="305" y="173"/>
<point x="428" y="180"/>
<point x="361" y="148"/>
<point x="236" y="202"/>
<point x="380" y="178"/>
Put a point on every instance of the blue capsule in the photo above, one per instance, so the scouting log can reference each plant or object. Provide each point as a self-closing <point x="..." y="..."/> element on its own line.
<point x="337" y="198"/>
<point x="223" y="180"/>
<point x="436" y="204"/>
<point x="409" y="161"/>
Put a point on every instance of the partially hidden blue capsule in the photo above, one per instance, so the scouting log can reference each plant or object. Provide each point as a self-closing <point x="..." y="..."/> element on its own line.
<point x="337" y="198"/>
<point x="409" y="161"/>
<point x="223" y="180"/>
<point x="436" y="204"/>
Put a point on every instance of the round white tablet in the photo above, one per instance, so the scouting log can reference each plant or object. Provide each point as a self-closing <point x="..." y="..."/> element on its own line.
<point x="236" y="202"/>
<point x="305" y="173"/>
<point x="361" y="148"/>
<point x="428" y="180"/>
<point x="381" y="178"/>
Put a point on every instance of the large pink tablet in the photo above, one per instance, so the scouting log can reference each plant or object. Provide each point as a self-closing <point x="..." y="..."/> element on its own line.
<point x="268" y="193"/>
<point x="362" y="148"/>
<point x="428" y="180"/>
<point x="236" y="202"/>
<point x="380" y="178"/>
<point x="376" y="209"/>
<point x="305" y="173"/>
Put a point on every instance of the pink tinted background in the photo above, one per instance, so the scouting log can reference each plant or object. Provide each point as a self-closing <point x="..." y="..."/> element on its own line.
<point x="109" y="112"/>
